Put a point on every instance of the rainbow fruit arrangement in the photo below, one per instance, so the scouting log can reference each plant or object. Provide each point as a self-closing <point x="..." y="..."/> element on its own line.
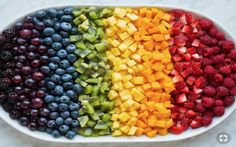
<point x="118" y="71"/>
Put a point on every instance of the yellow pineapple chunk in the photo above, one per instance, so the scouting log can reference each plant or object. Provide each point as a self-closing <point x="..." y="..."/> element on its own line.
<point x="120" y="12"/>
<point x="132" y="130"/>
<point x="123" y="117"/>
<point x="112" y="94"/>
<point x="111" y="20"/>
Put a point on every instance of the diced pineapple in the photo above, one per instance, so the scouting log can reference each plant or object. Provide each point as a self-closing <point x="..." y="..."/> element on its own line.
<point x="115" y="43"/>
<point x="121" y="24"/>
<point x="131" y="63"/>
<point x="128" y="41"/>
<point x="131" y="28"/>
<point x="117" y="86"/>
<point x="120" y="12"/>
<point x="138" y="80"/>
<point x="117" y="133"/>
<point x="129" y="102"/>
<point x="124" y="117"/>
<point x="132" y="16"/>
<point x="112" y="94"/>
<point x="125" y="129"/>
<point x="116" y="77"/>
<point x="114" y="117"/>
<point x="124" y="35"/>
<point x="127" y="78"/>
<point x="137" y="95"/>
<point x="111" y="20"/>
<point x="128" y="84"/>
<point x="132" y="130"/>
<point x="133" y="47"/>
<point x="122" y="47"/>
<point x="115" y="125"/>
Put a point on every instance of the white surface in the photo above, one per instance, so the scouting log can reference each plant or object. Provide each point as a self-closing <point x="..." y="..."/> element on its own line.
<point x="221" y="10"/>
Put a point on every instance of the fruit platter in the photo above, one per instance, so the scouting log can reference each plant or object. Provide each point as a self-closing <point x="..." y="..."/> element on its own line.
<point x="116" y="74"/>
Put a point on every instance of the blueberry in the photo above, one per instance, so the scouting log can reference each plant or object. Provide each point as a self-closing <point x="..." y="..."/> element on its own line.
<point x="75" y="75"/>
<point x="41" y="14"/>
<point x="45" y="69"/>
<point x="35" y="20"/>
<point x="48" y="22"/>
<point x="44" y="112"/>
<point x="70" y="70"/>
<point x="65" y="26"/>
<point x="75" y="123"/>
<point x="71" y="48"/>
<point x="59" y="121"/>
<point x="66" y="77"/>
<point x="72" y="58"/>
<point x="64" y="128"/>
<point x="48" y="31"/>
<point x="49" y="98"/>
<point x="49" y="130"/>
<point x="77" y="88"/>
<point x="55" y="78"/>
<point x="63" y="107"/>
<point x="42" y="128"/>
<point x="57" y="99"/>
<point x="67" y="85"/>
<point x="55" y="133"/>
<point x="48" y="41"/>
<point x="65" y="114"/>
<point x="66" y="18"/>
<point x="71" y="94"/>
<point x="23" y="120"/>
<point x="68" y="10"/>
<point x="56" y="26"/>
<point x="74" y="106"/>
<point x="62" y="53"/>
<point x="64" y="64"/>
<point x="68" y="121"/>
<point x="50" y="85"/>
<point x="55" y="60"/>
<point x="59" y="90"/>
<point x="51" y="52"/>
<point x="56" y="46"/>
<point x="60" y="13"/>
<point x="74" y="114"/>
<point x="64" y="34"/>
<point x="60" y="71"/>
<point x="75" y="129"/>
<point x="51" y="123"/>
<point x="53" y="66"/>
<point x="53" y="106"/>
<point x="57" y="37"/>
<point x="64" y="99"/>
<point x="65" y="41"/>
<point x="54" y="115"/>
<point x="52" y="12"/>
<point x="70" y="134"/>
<point x="74" y="31"/>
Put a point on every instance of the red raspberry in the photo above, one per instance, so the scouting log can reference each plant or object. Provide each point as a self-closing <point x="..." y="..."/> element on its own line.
<point x="209" y="91"/>
<point x="227" y="61"/>
<point x="228" y="45"/>
<point x="206" y="61"/>
<point x="212" y="32"/>
<point x="232" y="54"/>
<point x="200" y="108"/>
<point x="217" y="50"/>
<point x="178" y="66"/>
<point x="229" y="100"/>
<point x="233" y="67"/>
<point x="189" y="18"/>
<point x="209" y="113"/>
<point x="222" y="91"/>
<point x="200" y="33"/>
<point x="192" y="97"/>
<point x="218" y="58"/>
<point x="200" y="82"/>
<point x="185" y="122"/>
<point x="180" y="40"/>
<point x="219" y="103"/>
<point x="225" y="69"/>
<point x="233" y="91"/>
<point x="205" y="23"/>
<point x="208" y="51"/>
<point x="208" y="102"/>
<point x="219" y="35"/>
<point x="218" y="77"/>
<point x="205" y="40"/>
<point x="177" y="13"/>
<point x="206" y="120"/>
<point x="189" y="105"/>
<point x="210" y="70"/>
<point x="213" y="41"/>
<point x="180" y="85"/>
<point x="228" y="82"/>
<point x="219" y="110"/>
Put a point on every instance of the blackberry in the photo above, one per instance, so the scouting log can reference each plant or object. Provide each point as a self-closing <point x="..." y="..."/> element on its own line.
<point x="2" y="97"/>
<point x="7" y="46"/>
<point x="9" y="90"/>
<point x="2" y="39"/>
<point x="8" y="73"/>
<point x="7" y="107"/>
<point x="14" y="114"/>
<point x="6" y="55"/>
<point x="9" y="64"/>
<point x="9" y="33"/>
<point x="4" y="83"/>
